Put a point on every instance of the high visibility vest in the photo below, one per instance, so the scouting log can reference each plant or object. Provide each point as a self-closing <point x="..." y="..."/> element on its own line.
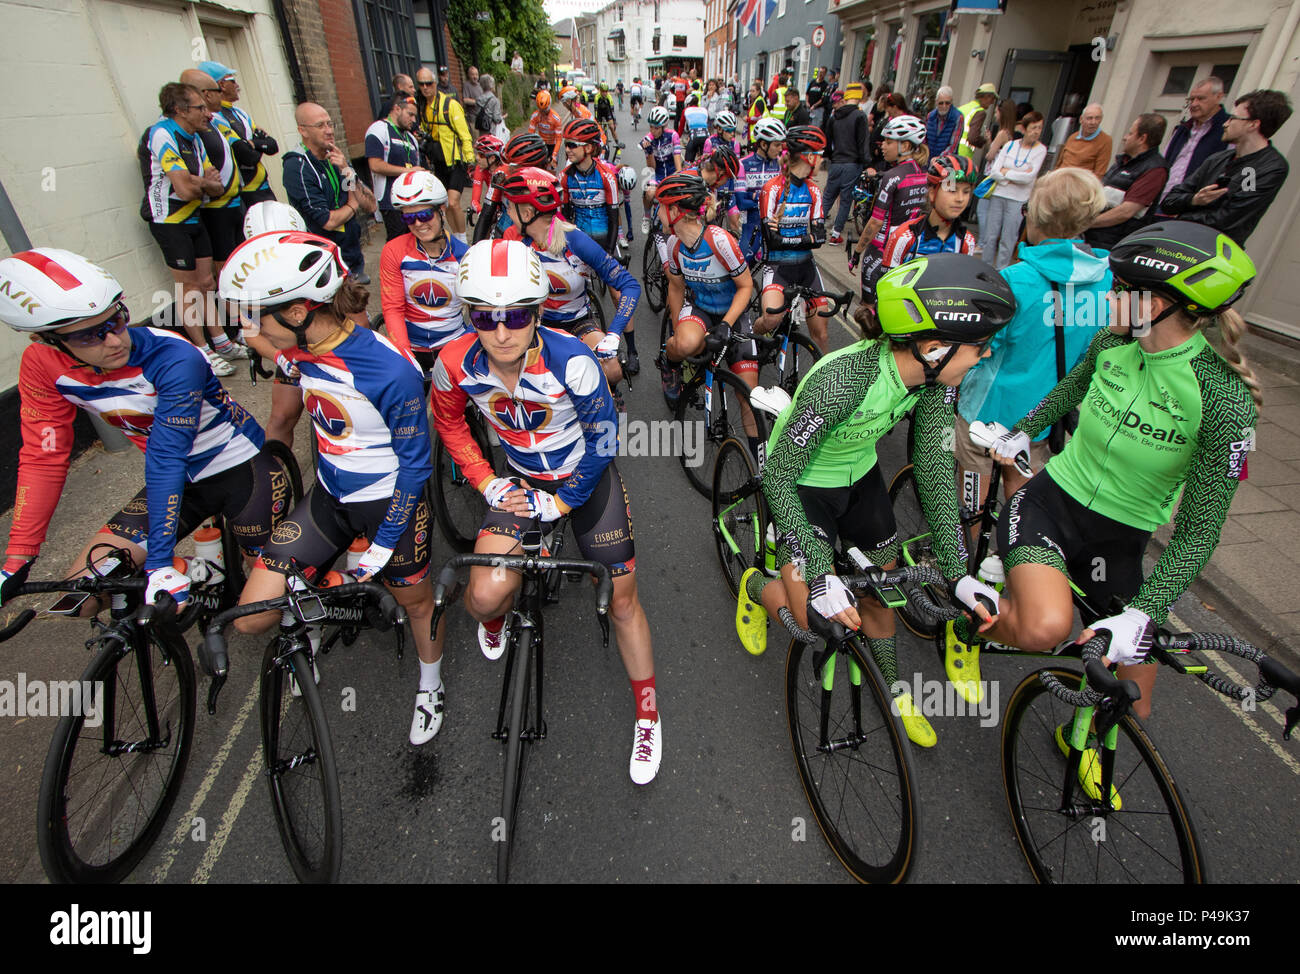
<point x="967" y="110"/>
<point x="777" y="108"/>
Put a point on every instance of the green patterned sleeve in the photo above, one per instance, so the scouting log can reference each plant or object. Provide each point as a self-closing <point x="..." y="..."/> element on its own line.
<point x="1226" y="436"/>
<point x="1069" y="392"/>
<point x="936" y="476"/>
<point x="820" y="404"/>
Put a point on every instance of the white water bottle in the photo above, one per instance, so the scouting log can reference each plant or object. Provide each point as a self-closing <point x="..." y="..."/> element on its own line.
<point x="991" y="571"/>
<point x="208" y="566"/>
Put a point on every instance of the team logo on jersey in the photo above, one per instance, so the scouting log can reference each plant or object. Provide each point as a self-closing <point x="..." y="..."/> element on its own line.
<point x="431" y="293"/>
<point x="129" y="420"/>
<point x="328" y="414"/>
<point x="520" y="415"/>
<point x="136" y="505"/>
<point x="286" y="532"/>
<point x="558" y="284"/>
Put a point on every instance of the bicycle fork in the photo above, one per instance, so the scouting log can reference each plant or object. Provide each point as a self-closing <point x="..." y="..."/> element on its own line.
<point x="1107" y="729"/>
<point x="826" y="667"/>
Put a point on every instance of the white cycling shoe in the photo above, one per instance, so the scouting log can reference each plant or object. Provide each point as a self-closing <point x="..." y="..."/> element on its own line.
<point x="293" y="680"/>
<point x="220" y="367"/>
<point x="492" y="644"/>
<point x="429" y="707"/>
<point x="647" y="750"/>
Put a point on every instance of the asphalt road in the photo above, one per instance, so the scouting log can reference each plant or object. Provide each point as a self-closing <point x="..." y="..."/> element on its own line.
<point x="727" y="805"/>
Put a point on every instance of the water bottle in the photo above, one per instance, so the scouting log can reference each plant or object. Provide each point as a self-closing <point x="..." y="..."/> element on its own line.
<point x="991" y="572"/>
<point x="769" y="549"/>
<point x="208" y="566"/>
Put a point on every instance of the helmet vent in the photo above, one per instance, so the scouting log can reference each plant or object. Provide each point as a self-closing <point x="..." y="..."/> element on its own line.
<point x="913" y="311"/>
<point x="1201" y="275"/>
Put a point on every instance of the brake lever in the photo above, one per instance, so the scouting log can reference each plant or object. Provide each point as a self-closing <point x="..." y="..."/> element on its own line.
<point x="214" y="690"/>
<point x="1292" y="718"/>
<point x="603" y="619"/>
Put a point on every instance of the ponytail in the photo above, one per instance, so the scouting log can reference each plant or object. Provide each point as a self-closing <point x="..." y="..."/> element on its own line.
<point x="1231" y="327"/>
<point x="868" y="322"/>
<point x="350" y="299"/>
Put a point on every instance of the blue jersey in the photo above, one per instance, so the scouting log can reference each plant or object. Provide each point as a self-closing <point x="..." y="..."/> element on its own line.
<point x="755" y="171"/>
<point x="567" y="273"/>
<point x="697" y="122"/>
<point x="588" y="197"/>
<point x="796" y="206"/>
<point x="662" y="150"/>
<point x="710" y="268"/>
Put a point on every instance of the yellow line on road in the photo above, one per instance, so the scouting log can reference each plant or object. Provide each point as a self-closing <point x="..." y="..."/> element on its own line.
<point x="218" y="843"/>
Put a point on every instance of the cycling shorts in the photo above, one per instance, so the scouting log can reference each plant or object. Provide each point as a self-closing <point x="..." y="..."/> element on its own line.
<point x="602" y="526"/>
<point x="183" y="244"/>
<point x="225" y="229"/>
<point x="252" y="497"/>
<point x="857" y="516"/>
<point x="776" y="277"/>
<point x="1043" y="525"/>
<point x="743" y="354"/>
<point x="322" y="527"/>
<point x="580" y="327"/>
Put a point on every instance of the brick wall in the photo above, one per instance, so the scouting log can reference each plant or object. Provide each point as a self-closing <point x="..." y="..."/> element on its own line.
<point x="340" y="29"/>
<point x="313" y="50"/>
<point x="455" y="70"/>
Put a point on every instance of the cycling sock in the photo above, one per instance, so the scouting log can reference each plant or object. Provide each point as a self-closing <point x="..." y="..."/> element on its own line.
<point x="430" y="675"/>
<point x="494" y="625"/>
<point x="962" y="629"/>
<point x="630" y="338"/>
<point x="754" y="586"/>
<point x="882" y="649"/>
<point x="644" y="691"/>
<point x="221" y="344"/>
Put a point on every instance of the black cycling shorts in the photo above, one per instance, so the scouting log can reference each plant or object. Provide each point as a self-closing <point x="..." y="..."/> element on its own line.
<point x="777" y="276"/>
<point x="860" y="515"/>
<point x="1043" y="525"/>
<point x="253" y="498"/>
<point x="225" y="229"/>
<point x="322" y="527"/>
<point x="603" y="525"/>
<point x="454" y="176"/>
<point x="183" y="244"/>
<point x="743" y="354"/>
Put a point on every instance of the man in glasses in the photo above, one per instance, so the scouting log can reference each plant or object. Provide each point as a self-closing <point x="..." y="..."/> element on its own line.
<point x="944" y="126"/>
<point x="256" y="188"/>
<point x="1200" y="135"/>
<point x="392" y="149"/>
<point x="324" y="188"/>
<point x="448" y="145"/>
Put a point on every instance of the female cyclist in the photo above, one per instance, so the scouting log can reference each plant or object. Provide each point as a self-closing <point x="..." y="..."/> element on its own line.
<point x="543" y="393"/>
<point x="762" y="164"/>
<point x="822" y="479"/>
<point x="663" y="150"/>
<point x="720" y="169"/>
<point x="790" y="207"/>
<point x="486" y="197"/>
<point x="202" y="451"/>
<point x="902" y="193"/>
<point x="589" y="189"/>
<point x="724" y="133"/>
<point x="372" y="432"/>
<point x="938" y="228"/>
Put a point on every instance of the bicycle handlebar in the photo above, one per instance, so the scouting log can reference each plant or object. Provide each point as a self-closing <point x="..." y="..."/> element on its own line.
<point x="917" y="575"/>
<point x="794" y="291"/>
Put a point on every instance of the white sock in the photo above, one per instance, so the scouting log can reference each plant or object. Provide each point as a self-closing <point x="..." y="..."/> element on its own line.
<point x="430" y="675"/>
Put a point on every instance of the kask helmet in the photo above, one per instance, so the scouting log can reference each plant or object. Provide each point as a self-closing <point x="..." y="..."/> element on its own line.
<point x="502" y="274"/>
<point x="805" y="139"/>
<point x="280" y="267"/>
<point x="271" y="215"/>
<point x="534" y="186"/>
<point x="684" y="190"/>
<point x="47" y="288"/>
<point x="904" y="128"/>
<point x="769" y="130"/>
<point x="584" y="130"/>
<point x="568" y="93"/>
<point x="627" y="179"/>
<point x="958" y="168"/>
<point x="526" y="149"/>
<point x="658" y="116"/>
<point x="1200" y="269"/>
<point x="416" y="187"/>
<point x="953" y="297"/>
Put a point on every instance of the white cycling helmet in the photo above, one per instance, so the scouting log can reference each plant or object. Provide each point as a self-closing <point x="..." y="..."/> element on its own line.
<point x="904" y="128"/>
<point x="769" y="130"/>
<point x="47" y="288"/>
<point x="502" y="274"/>
<point x="627" y="178"/>
<point x="279" y="267"/>
<point x="658" y="116"/>
<point x="725" y="120"/>
<point x="418" y="186"/>
<point x="270" y="215"/>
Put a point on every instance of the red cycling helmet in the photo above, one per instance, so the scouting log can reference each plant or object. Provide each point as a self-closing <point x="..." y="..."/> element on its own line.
<point x="805" y="140"/>
<point x="959" y="168"/>
<point x="526" y="149"/>
<point x="534" y="186"/>
<point x="726" y="161"/>
<point x="584" y="130"/>
<point x="488" y="145"/>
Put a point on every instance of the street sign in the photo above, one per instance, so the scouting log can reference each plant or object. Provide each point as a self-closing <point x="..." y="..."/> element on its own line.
<point x="819" y="36"/>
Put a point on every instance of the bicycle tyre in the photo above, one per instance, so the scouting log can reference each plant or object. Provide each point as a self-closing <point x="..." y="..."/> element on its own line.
<point x="801" y="355"/>
<point x="915" y="545"/>
<point x="598" y="311"/>
<point x="724" y="423"/>
<point x="745" y="521"/>
<point x="300" y="768"/>
<point x="884" y="850"/>
<point x="456" y="504"/>
<point x="1033" y="773"/>
<point x="76" y="763"/>
<point x="654" y="283"/>
<point x="516" y="750"/>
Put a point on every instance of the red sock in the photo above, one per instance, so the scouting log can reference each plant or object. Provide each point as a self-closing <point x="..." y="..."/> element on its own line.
<point x="644" y="691"/>
<point x="494" y="625"/>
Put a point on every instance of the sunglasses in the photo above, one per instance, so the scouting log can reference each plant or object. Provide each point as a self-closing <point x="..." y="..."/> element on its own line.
<point x="90" y="337"/>
<point x="420" y="216"/>
<point x="426" y="84"/>
<point x="574" y="145"/>
<point x="515" y="319"/>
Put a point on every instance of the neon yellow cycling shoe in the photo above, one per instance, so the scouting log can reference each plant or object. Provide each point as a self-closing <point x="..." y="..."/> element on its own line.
<point x="961" y="661"/>
<point x="1089" y="767"/>
<point x="751" y="619"/>
<point x="918" y="728"/>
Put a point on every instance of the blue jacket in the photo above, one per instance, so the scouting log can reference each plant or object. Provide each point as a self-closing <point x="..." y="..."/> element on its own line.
<point x="1022" y="369"/>
<point x="938" y="132"/>
<point x="1211" y="142"/>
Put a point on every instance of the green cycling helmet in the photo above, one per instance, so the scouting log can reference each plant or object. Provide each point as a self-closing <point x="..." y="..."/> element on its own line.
<point x="1200" y="269"/>
<point x="953" y="297"/>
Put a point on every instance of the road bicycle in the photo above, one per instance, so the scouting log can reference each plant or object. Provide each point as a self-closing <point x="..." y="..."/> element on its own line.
<point x="520" y="718"/>
<point x="787" y="353"/>
<point x="654" y="279"/>
<point x="457" y="506"/>
<point x="863" y="196"/>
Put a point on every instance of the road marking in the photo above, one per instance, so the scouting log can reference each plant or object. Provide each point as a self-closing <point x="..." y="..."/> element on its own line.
<point x="1234" y="706"/>
<point x="183" y="826"/>
<point x="251" y="774"/>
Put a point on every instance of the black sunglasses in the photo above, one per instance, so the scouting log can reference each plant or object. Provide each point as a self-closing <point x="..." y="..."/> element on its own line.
<point x="95" y="335"/>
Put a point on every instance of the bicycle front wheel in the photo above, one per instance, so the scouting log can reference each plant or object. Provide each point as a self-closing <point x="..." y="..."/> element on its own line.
<point x="300" y="767"/>
<point x="517" y="744"/>
<point x="1065" y="835"/>
<point x="854" y="760"/>
<point x="456" y="504"/>
<point x="704" y="431"/>
<point x="654" y="283"/>
<point x="916" y="545"/>
<point x="739" y="525"/>
<point x="113" y="773"/>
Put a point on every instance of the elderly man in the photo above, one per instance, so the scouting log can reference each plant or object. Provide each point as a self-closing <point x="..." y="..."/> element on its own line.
<point x="403" y="85"/>
<point x="1089" y="147"/>
<point x="473" y="92"/>
<point x="980" y="118"/>
<point x="1133" y="184"/>
<point x="1201" y="136"/>
<point x="324" y="188"/>
<point x="253" y="173"/>
<point x="944" y="126"/>
<point x="391" y="149"/>
<point x="222" y="215"/>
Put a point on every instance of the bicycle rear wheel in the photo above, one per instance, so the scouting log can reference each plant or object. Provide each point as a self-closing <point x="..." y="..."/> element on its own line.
<point x="739" y="526"/>
<point x="106" y="790"/>
<point x="654" y="283"/>
<point x="300" y="767"/>
<point x="456" y="504"/>
<point x="517" y="744"/>
<point x="1064" y="835"/>
<point x="916" y="545"/>
<point x="708" y="432"/>
<point x="854" y="760"/>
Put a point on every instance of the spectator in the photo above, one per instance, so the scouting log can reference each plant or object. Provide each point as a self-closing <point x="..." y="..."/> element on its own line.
<point x="1133" y="184"/>
<point x="325" y="189"/>
<point x="796" y="113"/>
<point x="757" y="107"/>
<point x="944" y="126"/>
<point x="1201" y="135"/>
<point x="222" y="215"/>
<point x="403" y="85"/>
<point x="517" y="63"/>
<point x="489" y="106"/>
<point x="473" y="92"/>
<point x="448" y="145"/>
<point x="776" y="98"/>
<point x="1088" y="148"/>
<point x="818" y="98"/>
<point x="1015" y="169"/>
<point x="1006" y="131"/>
<point x="177" y="175"/>
<point x="878" y="110"/>
<point x="980" y="123"/>
<point x="444" y="83"/>
<point x="1231" y="189"/>
<point x="894" y="105"/>
<point x="1021" y="111"/>
<point x="252" y="172"/>
<point x="847" y="152"/>
<point x="392" y="148"/>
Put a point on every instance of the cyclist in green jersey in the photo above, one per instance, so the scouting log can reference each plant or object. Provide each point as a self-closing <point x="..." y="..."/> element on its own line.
<point x="933" y="321"/>
<point x="1161" y="413"/>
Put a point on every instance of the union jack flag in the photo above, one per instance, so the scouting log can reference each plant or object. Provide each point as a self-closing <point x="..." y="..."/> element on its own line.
<point x="756" y="13"/>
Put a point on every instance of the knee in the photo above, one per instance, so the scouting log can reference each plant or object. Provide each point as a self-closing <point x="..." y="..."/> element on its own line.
<point x="625" y="605"/>
<point x="254" y="624"/>
<point x="485" y="600"/>
<point x="206" y="283"/>
<point x="1047" y="630"/>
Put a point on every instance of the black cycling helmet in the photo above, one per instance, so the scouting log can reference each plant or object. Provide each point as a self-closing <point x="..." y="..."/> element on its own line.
<point x="805" y="139"/>
<point x="684" y="190"/>
<point x="725" y="160"/>
<point x="1200" y="269"/>
<point x="526" y="149"/>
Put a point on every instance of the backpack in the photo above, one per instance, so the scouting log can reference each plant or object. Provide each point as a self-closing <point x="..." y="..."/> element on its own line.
<point x="482" y="121"/>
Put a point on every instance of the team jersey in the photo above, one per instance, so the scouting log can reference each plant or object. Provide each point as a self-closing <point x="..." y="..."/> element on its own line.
<point x="590" y="197"/>
<point x="366" y="401"/>
<point x="710" y="268"/>
<point x="827" y="438"/>
<point x="546" y="124"/>
<point x="579" y="111"/>
<point x="696" y="123"/>
<point x="917" y="238"/>
<point x="569" y="302"/>
<point x="903" y="191"/>
<point x="219" y="142"/>
<point x="1152" y="426"/>
<point x="242" y="125"/>
<point x="418" y="293"/>
<point x="635" y="93"/>
<point x="386" y="142"/>
<point x="167" y="402"/>
<point x="166" y="147"/>
<point x="604" y="107"/>
<point x="755" y="171"/>
<point x="796" y="205"/>
<point x="555" y="423"/>
<point x="716" y="141"/>
<point x="662" y="150"/>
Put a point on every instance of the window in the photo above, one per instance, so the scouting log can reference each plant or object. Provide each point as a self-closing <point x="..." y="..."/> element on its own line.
<point x="388" y="42"/>
<point x="679" y="40"/>
<point x="1180" y="79"/>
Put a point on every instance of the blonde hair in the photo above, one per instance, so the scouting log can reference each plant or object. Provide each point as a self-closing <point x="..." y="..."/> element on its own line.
<point x="1231" y="327"/>
<point x="557" y="235"/>
<point x="920" y="154"/>
<point x="1064" y="203"/>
